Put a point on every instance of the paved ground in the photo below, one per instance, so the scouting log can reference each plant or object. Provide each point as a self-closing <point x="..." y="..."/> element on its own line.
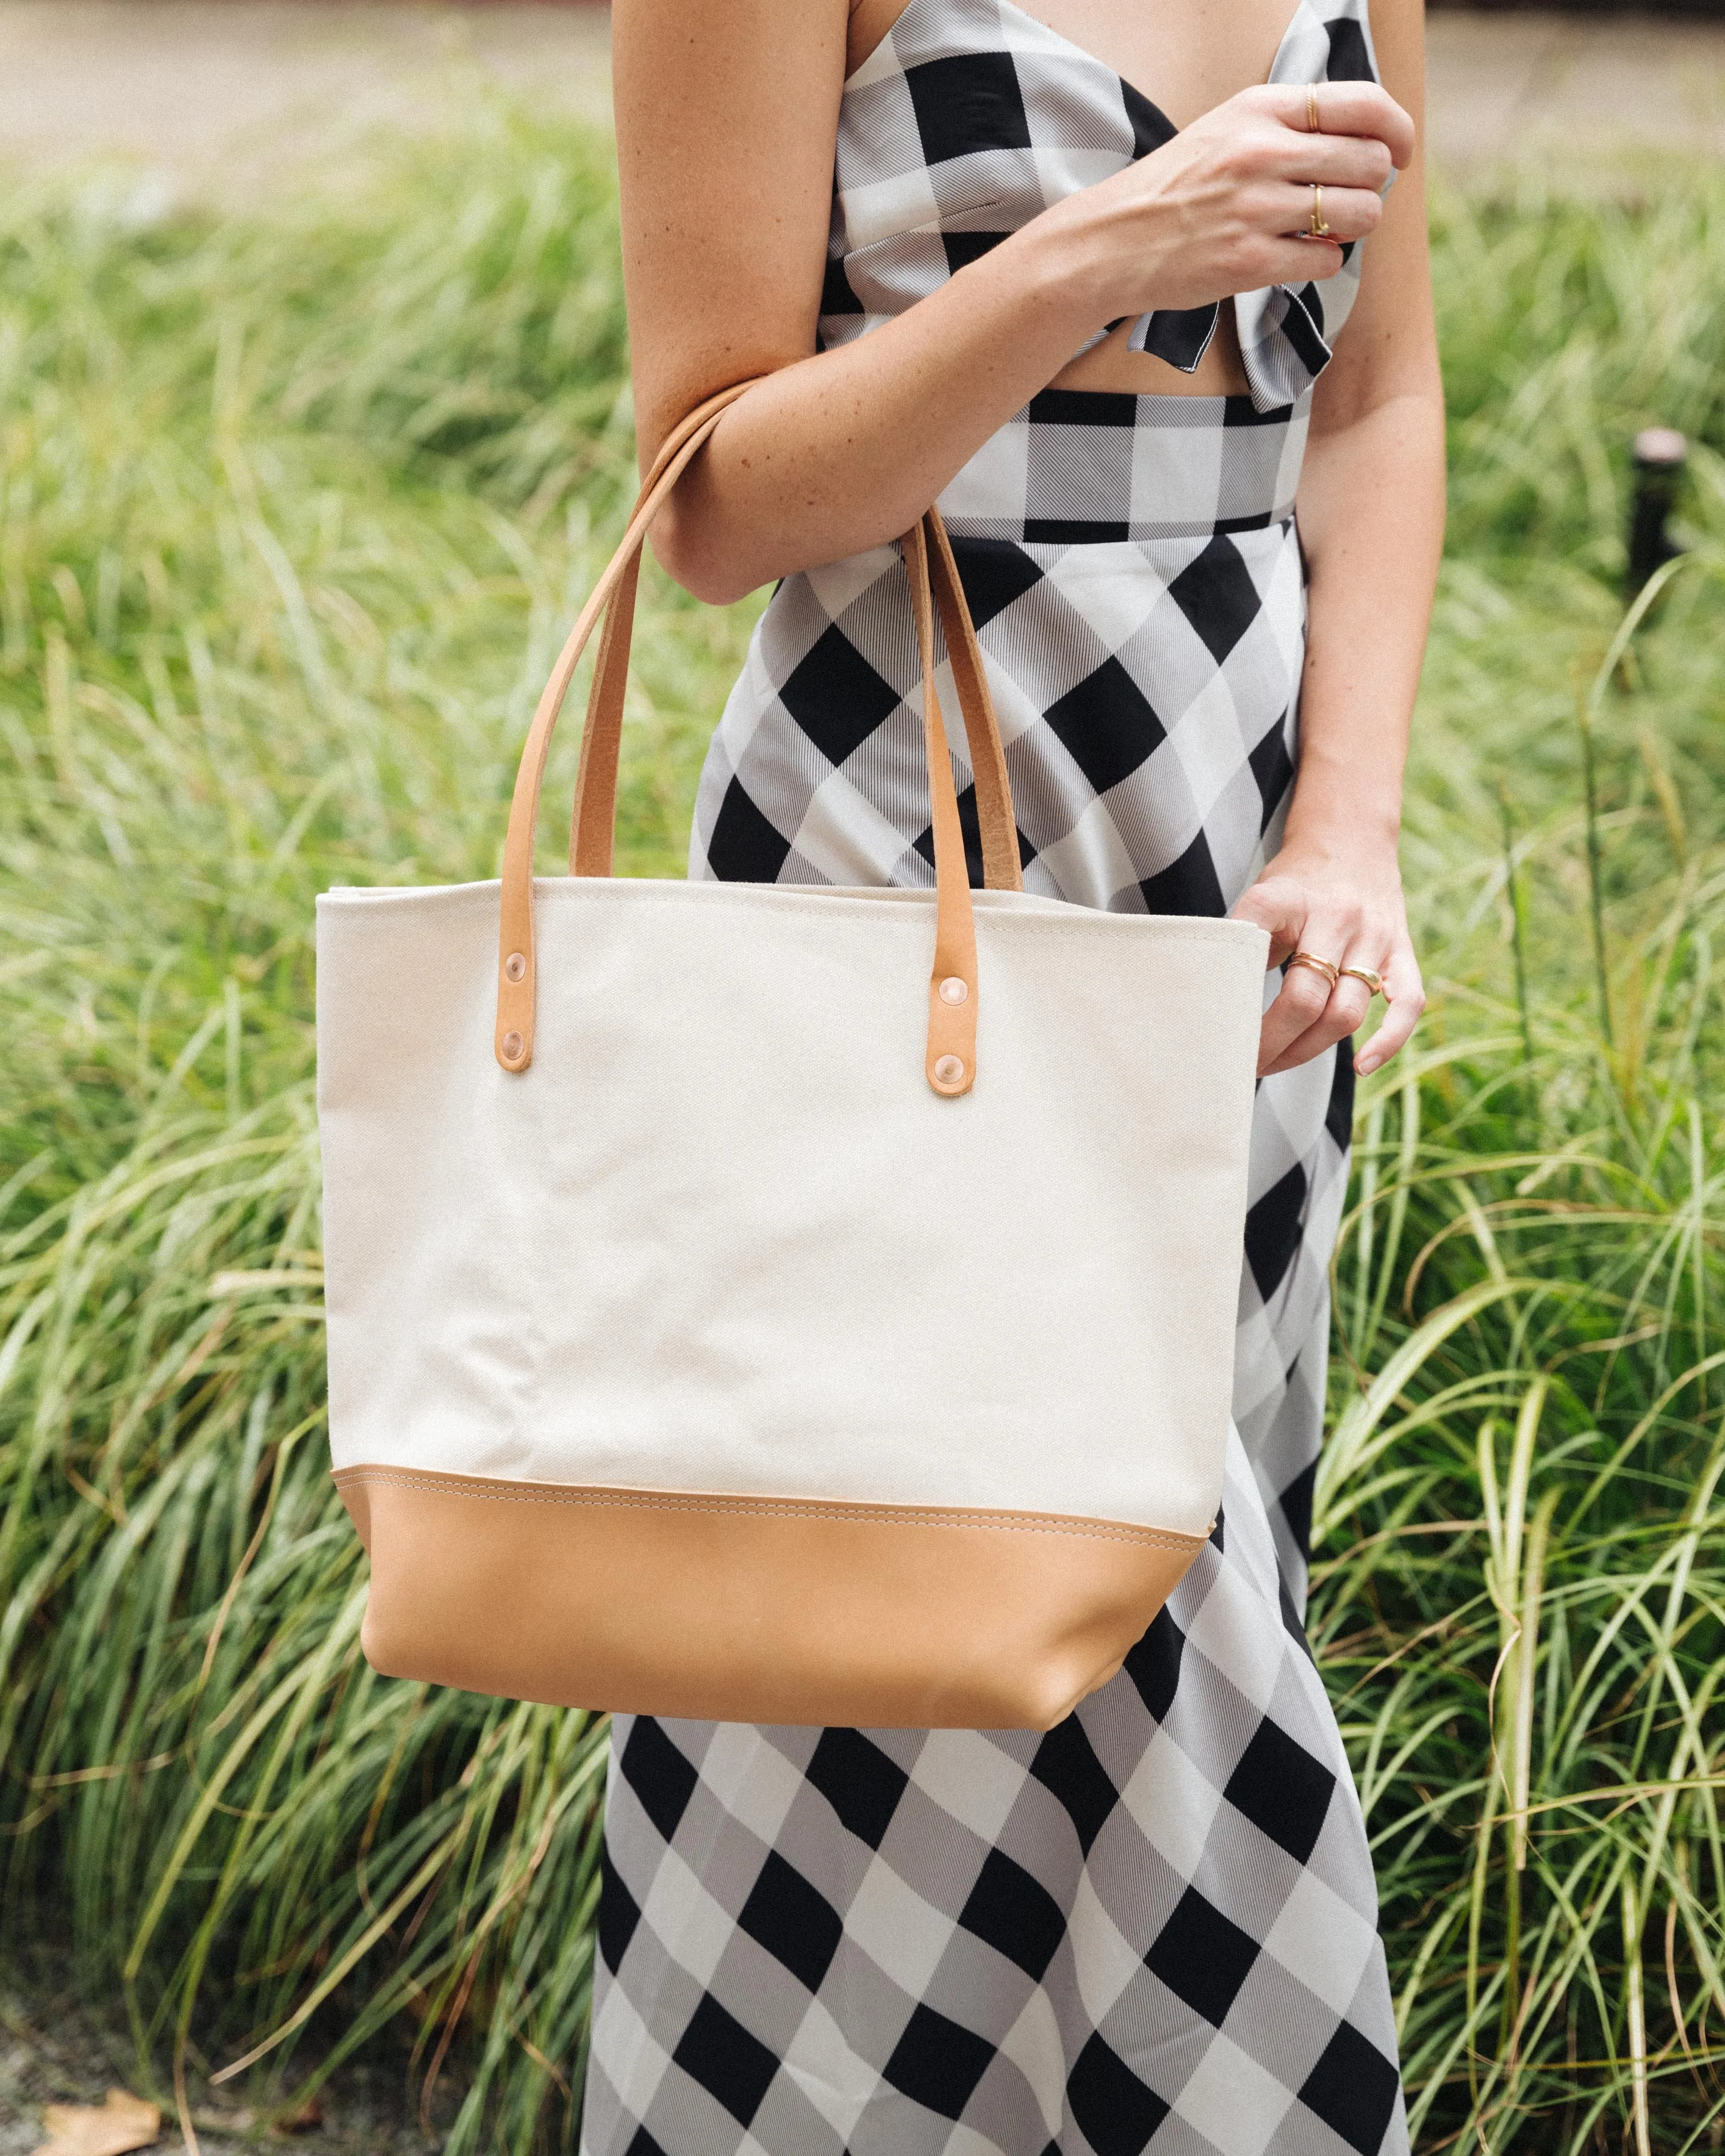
<point x="226" y="100"/>
<point x="1563" y="92"/>
<point x="223" y="99"/>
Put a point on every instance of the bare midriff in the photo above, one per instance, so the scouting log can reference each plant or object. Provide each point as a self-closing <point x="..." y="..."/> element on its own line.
<point x="1109" y="365"/>
<point x="1187" y="57"/>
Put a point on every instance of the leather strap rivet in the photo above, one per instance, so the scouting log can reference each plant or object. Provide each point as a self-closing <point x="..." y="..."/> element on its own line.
<point x="513" y="1046"/>
<point x="948" y="1069"/>
<point x="514" y="967"/>
<point x="952" y="990"/>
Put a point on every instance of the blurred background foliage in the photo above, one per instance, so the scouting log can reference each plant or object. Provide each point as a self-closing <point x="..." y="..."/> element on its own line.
<point x="293" y="507"/>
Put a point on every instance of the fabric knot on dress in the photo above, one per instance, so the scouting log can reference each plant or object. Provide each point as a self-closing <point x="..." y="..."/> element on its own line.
<point x="1282" y="340"/>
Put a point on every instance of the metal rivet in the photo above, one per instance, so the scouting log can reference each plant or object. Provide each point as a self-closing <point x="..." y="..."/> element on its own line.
<point x="952" y="990"/>
<point x="513" y="1046"/>
<point x="514" y="967"/>
<point x="948" y="1069"/>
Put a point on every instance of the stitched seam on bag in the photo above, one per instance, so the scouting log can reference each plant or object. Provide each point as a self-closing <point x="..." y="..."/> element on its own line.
<point x="796" y="1508"/>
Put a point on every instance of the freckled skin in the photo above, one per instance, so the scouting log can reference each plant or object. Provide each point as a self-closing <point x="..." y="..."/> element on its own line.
<point x="726" y="121"/>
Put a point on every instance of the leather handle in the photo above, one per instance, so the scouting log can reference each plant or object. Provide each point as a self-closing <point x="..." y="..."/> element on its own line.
<point x="593" y="826"/>
<point x="594" y="822"/>
<point x="1002" y="866"/>
<point x="512" y="1041"/>
<point x="951" y="1061"/>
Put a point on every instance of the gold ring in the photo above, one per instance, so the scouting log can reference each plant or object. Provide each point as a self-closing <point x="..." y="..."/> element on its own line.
<point x="1374" y="981"/>
<point x="1318" y="228"/>
<point x="1311" y="108"/>
<point x="1330" y="973"/>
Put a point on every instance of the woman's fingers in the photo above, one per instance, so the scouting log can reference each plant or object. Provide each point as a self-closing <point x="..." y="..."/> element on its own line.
<point x="1307" y="992"/>
<point x="1343" y="1012"/>
<point x="1295" y="255"/>
<point x="1277" y="905"/>
<point x="1339" y="161"/>
<point x="1344" y="108"/>
<point x="1299" y="262"/>
<point x="1350" y="212"/>
<point x="1221" y="207"/>
<point x="1406" y="994"/>
<point x="1311" y="1013"/>
<point x="1312" y="1010"/>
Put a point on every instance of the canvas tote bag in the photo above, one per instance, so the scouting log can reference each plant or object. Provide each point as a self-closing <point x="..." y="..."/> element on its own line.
<point x="774" y="1303"/>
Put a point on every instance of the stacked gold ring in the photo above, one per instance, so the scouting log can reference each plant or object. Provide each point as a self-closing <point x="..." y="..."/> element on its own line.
<point x="1317" y="227"/>
<point x="1372" y="983"/>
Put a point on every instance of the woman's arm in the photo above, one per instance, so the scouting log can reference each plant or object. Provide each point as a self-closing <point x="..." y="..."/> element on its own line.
<point x="727" y="119"/>
<point x="1371" y="519"/>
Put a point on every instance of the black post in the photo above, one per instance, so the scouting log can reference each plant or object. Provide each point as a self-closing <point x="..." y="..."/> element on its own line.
<point x="1659" y="454"/>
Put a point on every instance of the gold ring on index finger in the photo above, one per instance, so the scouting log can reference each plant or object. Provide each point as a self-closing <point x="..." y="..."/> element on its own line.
<point x="1319" y="227"/>
<point x="1330" y="973"/>
<point x="1373" y="982"/>
<point x="1311" y="127"/>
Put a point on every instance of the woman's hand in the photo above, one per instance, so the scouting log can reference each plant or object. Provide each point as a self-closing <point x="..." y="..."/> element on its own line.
<point x="1216" y="210"/>
<point x="726" y="122"/>
<point x="1344" y="906"/>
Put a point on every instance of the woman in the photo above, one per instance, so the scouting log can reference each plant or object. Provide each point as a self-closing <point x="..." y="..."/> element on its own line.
<point x="978" y="250"/>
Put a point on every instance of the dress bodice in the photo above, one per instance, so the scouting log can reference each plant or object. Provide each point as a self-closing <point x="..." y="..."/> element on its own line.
<point x="970" y="117"/>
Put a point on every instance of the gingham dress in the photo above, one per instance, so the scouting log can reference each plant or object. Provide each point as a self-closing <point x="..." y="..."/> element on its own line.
<point x="1155" y="1926"/>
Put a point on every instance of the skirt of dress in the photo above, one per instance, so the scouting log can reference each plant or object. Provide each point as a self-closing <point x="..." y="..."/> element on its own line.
<point x="1155" y="1926"/>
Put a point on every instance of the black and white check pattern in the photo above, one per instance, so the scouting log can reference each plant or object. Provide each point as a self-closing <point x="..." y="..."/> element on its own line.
<point x="1153" y="1928"/>
<point x="970" y="118"/>
<point x="1146" y="690"/>
<point x="1089" y="466"/>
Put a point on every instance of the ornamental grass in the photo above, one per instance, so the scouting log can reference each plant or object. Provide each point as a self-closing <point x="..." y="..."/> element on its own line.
<point x="294" y="508"/>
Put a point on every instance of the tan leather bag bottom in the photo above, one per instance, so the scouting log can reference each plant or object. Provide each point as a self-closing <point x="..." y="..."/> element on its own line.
<point x="774" y="1610"/>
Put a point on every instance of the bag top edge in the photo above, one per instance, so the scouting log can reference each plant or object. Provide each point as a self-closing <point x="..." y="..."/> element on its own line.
<point x="556" y="890"/>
